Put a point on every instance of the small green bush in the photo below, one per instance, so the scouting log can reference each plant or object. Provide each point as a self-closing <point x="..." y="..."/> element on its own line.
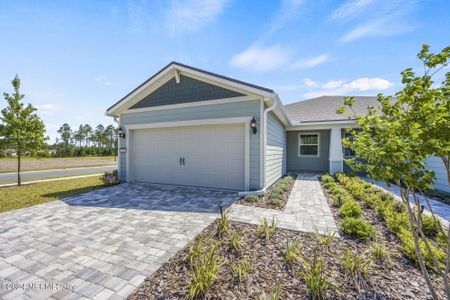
<point x="330" y="185"/>
<point x="371" y="200"/>
<point x="350" y="208"/>
<point x="357" y="227"/>
<point x="327" y="178"/>
<point x="396" y="221"/>
<point x="251" y="198"/>
<point x="442" y="240"/>
<point x="429" y="225"/>
<point x="398" y="206"/>
<point x="410" y="250"/>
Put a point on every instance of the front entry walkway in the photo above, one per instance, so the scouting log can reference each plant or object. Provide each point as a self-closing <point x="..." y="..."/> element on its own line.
<point x="101" y="244"/>
<point x="306" y="209"/>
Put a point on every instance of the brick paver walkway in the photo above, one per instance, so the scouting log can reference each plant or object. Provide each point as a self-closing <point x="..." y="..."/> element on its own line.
<point x="306" y="209"/>
<point x="103" y="243"/>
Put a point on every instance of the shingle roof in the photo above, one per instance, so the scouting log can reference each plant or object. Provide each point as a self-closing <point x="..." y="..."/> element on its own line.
<point x="322" y="109"/>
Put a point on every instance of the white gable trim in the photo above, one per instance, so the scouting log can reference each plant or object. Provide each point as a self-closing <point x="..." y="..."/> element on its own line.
<point x="175" y="70"/>
<point x="191" y="104"/>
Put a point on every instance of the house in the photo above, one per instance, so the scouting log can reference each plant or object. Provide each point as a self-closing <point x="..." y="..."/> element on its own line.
<point x="188" y="126"/>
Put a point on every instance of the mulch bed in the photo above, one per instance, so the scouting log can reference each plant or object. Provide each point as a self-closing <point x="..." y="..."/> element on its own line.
<point x="407" y="270"/>
<point x="264" y="201"/>
<point x="396" y="278"/>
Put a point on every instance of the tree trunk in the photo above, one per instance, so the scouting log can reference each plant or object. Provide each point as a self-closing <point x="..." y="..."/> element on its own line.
<point x="19" y="181"/>
<point x="446" y="161"/>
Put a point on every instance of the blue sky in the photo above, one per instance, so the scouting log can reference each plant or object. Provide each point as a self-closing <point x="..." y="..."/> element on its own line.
<point x="76" y="58"/>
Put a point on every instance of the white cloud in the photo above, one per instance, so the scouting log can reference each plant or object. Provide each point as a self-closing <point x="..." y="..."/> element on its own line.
<point x="309" y="82"/>
<point x="343" y="87"/>
<point x="310" y="62"/>
<point x="349" y="9"/>
<point x="378" y="28"/>
<point x="191" y="15"/>
<point x="383" y="19"/>
<point x="259" y="59"/>
<point x="333" y="84"/>
<point x="102" y="79"/>
<point x="47" y="109"/>
<point x="288" y="11"/>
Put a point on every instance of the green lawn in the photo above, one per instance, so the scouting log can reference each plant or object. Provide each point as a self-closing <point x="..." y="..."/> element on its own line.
<point x="9" y="164"/>
<point x="16" y="197"/>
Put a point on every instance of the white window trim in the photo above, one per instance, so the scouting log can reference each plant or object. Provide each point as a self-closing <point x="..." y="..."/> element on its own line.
<point x="221" y="121"/>
<point x="318" y="144"/>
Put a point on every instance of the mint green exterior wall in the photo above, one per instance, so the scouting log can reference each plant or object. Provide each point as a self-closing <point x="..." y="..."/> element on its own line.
<point x="308" y="163"/>
<point x="227" y="110"/>
<point x="275" y="149"/>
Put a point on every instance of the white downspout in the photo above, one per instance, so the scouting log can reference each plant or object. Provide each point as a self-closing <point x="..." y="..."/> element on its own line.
<point x="266" y="111"/>
<point x="263" y="190"/>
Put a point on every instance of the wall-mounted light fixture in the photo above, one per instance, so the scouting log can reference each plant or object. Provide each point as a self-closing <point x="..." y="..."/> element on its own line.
<point x="121" y="132"/>
<point x="253" y="125"/>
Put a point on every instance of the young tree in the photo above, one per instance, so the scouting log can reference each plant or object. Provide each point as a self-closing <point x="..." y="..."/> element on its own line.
<point x="66" y="134"/>
<point x="87" y="134"/>
<point x="21" y="127"/>
<point x="395" y="138"/>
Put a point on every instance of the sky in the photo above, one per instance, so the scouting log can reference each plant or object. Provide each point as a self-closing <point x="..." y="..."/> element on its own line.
<point x="77" y="58"/>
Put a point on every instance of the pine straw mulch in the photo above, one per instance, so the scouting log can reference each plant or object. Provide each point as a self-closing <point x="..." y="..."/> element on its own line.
<point x="396" y="278"/>
<point x="265" y="202"/>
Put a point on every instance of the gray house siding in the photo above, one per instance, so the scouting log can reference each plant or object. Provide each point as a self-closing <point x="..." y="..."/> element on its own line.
<point x="314" y="164"/>
<point x="227" y="110"/>
<point x="275" y="149"/>
<point x="187" y="90"/>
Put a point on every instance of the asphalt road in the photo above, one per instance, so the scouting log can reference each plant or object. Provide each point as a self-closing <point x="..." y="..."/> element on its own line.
<point x="45" y="174"/>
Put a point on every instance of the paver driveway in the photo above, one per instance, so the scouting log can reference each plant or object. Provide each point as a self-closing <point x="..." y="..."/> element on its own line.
<point x="101" y="244"/>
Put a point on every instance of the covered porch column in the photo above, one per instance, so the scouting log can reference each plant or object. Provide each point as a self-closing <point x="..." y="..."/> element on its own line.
<point x="336" y="155"/>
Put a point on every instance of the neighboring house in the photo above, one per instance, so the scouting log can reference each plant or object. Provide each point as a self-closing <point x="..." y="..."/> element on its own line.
<point x="187" y="126"/>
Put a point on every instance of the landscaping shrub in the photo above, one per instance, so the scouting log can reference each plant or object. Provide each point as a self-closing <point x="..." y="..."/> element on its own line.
<point x="429" y="225"/>
<point x="205" y="270"/>
<point x="350" y="208"/>
<point x="236" y="242"/>
<point x="356" y="266"/>
<point x="330" y="185"/>
<point x="357" y="227"/>
<point x="241" y="270"/>
<point x="251" y="198"/>
<point x="264" y="230"/>
<point x="395" y="221"/>
<point x="111" y="178"/>
<point x="371" y="200"/>
<point x="327" y="178"/>
<point x="292" y="252"/>
<point x="442" y="240"/>
<point x="398" y="206"/>
<point x="379" y="251"/>
<point x="410" y="250"/>
<point x="313" y="272"/>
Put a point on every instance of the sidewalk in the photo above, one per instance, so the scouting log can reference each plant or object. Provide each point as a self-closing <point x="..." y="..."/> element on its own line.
<point x="306" y="210"/>
<point x="439" y="208"/>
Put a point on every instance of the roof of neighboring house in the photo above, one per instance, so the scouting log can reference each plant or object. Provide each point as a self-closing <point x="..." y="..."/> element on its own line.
<point x="323" y="109"/>
<point x="174" y="63"/>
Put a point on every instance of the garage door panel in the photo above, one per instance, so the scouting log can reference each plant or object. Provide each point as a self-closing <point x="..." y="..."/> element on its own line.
<point x="214" y="156"/>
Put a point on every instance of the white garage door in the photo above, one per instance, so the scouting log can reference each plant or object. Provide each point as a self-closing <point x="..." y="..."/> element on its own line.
<point x="208" y="156"/>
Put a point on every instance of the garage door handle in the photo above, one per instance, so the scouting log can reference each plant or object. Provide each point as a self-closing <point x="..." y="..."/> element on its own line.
<point x="184" y="162"/>
<point x="181" y="161"/>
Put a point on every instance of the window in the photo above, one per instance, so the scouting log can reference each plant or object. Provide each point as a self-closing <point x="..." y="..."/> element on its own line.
<point x="347" y="151"/>
<point x="308" y="144"/>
